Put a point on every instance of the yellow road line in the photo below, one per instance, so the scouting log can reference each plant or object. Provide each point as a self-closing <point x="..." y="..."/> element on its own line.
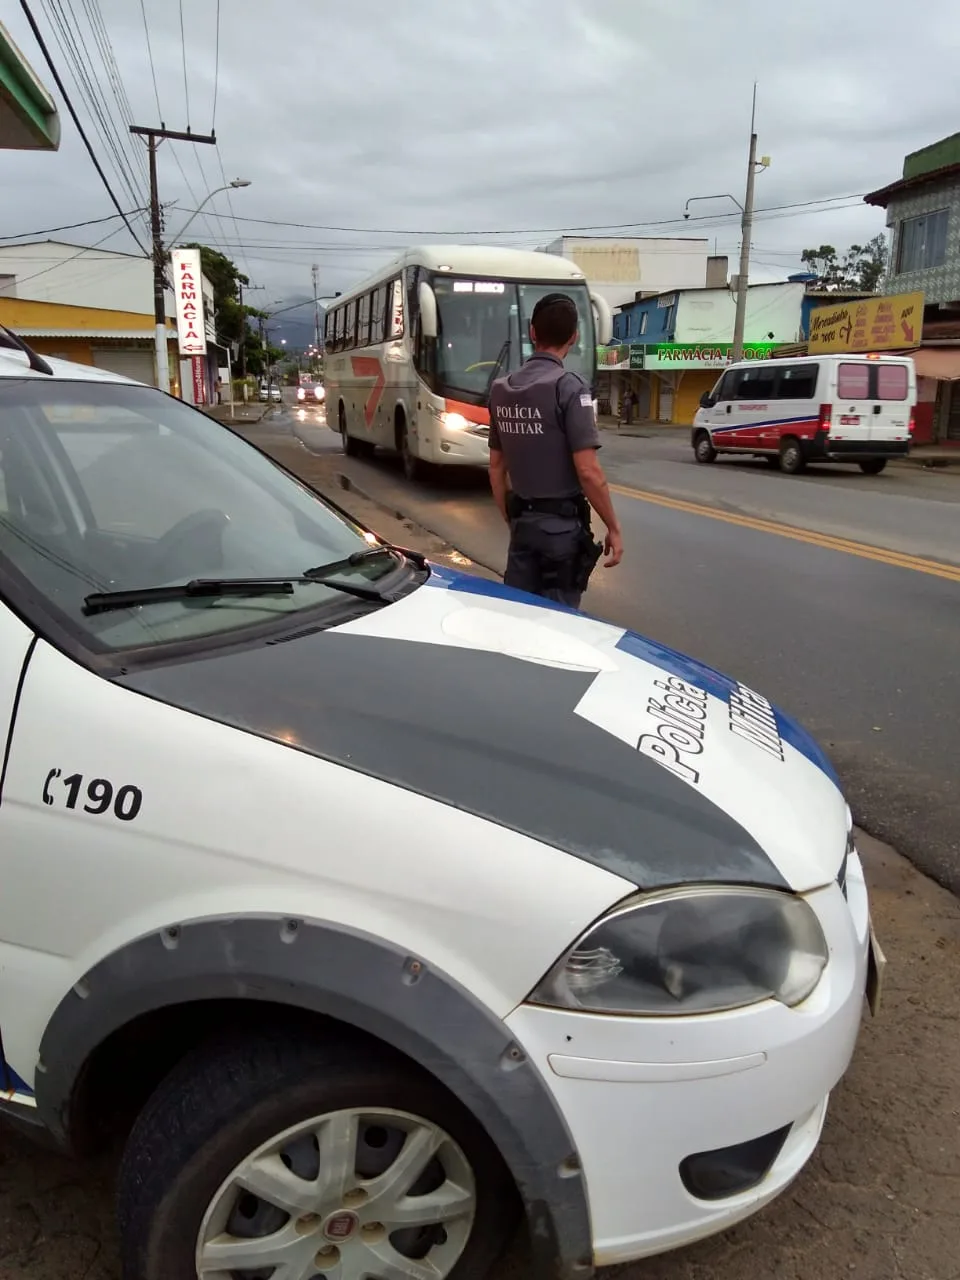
<point x="898" y="559"/>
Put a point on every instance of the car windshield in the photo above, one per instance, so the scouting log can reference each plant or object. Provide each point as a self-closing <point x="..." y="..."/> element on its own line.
<point x="478" y="317"/>
<point x="107" y="487"/>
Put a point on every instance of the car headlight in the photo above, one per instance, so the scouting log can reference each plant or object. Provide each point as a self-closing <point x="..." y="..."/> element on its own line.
<point x="454" y="421"/>
<point x="319" y="393"/>
<point x="301" y="394"/>
<point x="691" y="951"/>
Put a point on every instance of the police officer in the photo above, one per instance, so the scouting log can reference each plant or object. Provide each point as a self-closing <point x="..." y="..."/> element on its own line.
<point x="544" y="469"/>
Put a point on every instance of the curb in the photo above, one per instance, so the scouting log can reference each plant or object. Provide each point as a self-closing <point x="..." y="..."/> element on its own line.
<point x="350" y="486"/>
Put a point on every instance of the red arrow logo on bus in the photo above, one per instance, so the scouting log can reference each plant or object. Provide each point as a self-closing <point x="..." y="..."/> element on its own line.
<point x="369" y="367"/>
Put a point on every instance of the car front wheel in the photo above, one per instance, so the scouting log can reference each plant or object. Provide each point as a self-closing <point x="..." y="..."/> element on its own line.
<point x="792" y="461"/>
<point x="276" y="1156"/>
<point x="703" y="449"/>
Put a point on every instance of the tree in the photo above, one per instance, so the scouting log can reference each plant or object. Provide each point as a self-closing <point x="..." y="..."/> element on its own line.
<point x="860" y="270"/>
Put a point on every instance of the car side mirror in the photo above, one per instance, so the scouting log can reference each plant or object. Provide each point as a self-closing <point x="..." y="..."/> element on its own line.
<point x="707" y="400"/>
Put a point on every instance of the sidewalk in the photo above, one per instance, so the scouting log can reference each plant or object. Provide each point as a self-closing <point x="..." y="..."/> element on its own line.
<point x="928" y="456"/>
<point x="242" y="412"/>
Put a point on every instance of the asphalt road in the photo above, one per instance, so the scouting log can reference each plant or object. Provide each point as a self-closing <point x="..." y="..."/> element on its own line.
<point x="864" y="648"/>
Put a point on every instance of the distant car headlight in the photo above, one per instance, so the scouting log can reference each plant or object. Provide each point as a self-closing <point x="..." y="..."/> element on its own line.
<point x="691" y="951"/>
<point x="301" y="394"/>
<point x="454" y="421"/>
<point x="319" y="392"/>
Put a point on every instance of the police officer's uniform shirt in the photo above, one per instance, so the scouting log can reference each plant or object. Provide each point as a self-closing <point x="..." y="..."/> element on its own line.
<point x="539" y="417"/>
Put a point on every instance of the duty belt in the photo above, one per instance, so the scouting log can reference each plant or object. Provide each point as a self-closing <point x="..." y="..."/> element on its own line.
<point x="571" y="508"/>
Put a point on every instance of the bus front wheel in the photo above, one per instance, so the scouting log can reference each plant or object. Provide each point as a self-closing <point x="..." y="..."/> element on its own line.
<point x="351" y="447"/>
<point x="414" y="468"/>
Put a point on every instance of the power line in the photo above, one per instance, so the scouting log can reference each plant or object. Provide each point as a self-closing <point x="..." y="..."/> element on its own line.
<point x="25" y="6"/>
<point x="63" y="261"/>
<point x="79" y="61"/>
<point x="525" y="231"/>
<point x="216" y="73"/>
<point x="71" y="226"/>
<point x="153" y="69"/>
<point x="183" y="47"/>
<point x="75" y="51"/>
<point x="233" y="214"/>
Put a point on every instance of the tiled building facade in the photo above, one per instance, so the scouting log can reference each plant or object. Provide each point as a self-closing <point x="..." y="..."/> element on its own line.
<point x="923" y="215"/>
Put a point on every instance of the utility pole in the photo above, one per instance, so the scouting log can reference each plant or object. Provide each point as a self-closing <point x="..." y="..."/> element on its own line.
<point x="746" y="224"/>
<point x="315" y="272"/>
<point x="159" y="257"/>
<point x="243" y="319"/>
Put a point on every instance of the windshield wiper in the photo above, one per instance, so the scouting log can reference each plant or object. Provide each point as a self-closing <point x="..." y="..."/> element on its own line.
<point x="213" y="588"/>
<point x="320" y="573"/>
<point x="494" y="372"/>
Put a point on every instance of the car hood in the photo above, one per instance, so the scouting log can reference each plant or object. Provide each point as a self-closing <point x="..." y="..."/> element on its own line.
<point x="582" y="735"/>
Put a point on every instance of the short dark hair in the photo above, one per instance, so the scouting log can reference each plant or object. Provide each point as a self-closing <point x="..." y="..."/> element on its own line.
<point x="555" y="320"/>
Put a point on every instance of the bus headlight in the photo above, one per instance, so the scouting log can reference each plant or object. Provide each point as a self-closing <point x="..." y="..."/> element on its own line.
<point x="691" y="951"/>
<point x="454" y="421"/>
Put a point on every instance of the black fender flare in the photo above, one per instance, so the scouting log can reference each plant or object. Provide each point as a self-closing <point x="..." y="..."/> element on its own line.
<point x="363" y="982"/>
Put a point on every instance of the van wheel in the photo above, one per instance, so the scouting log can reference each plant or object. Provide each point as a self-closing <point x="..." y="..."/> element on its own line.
<point x="872" y="466"/>
<point x="269" y="1155"/>
<point x="414" y="468"/>
<point x="351" y="447"/>
<point x="792" y="460"/>
<point x="703" y="449"/>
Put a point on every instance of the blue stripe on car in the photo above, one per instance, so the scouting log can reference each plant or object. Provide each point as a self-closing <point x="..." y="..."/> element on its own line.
<point x="721" y="687"/>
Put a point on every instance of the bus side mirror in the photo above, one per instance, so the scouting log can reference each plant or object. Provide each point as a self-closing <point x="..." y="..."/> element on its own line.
<point x="603" y="318"/>
<point x="429" y="325"/>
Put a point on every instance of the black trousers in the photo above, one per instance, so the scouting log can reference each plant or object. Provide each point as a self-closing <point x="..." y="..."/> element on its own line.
<point x="542" y="556"/>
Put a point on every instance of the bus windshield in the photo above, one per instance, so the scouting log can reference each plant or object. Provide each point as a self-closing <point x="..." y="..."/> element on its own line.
<point x="478" y="318"/>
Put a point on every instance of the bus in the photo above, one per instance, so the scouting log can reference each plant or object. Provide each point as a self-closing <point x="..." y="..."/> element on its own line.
<point x="410" y="354"/>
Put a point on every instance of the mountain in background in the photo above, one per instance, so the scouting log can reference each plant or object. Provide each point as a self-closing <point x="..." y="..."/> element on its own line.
<point x="296" y="326"/>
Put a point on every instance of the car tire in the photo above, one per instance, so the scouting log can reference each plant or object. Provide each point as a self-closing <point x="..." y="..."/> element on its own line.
<point x="414" y="468"/>
<point x="351" y="447"/>
<point x="872" y="466"/>
<point x="228" y="1116"/>
<point x="703" y="449"/>
<point x="792" y="461"/>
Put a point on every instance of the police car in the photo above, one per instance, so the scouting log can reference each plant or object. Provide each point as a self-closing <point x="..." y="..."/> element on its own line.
<point x="373" y="904"/>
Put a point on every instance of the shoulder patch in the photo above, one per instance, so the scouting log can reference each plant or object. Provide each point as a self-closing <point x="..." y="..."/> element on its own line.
<point x="587" y="401"/>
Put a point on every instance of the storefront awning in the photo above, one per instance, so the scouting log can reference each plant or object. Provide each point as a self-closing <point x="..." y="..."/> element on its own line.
<point x="942" y="363"/>
<point x="28" y="115"/>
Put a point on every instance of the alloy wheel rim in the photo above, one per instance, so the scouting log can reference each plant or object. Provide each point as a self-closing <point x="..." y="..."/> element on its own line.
<point x="360" y="1194"/>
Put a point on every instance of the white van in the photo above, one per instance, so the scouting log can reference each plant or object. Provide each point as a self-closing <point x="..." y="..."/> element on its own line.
<point x="836" y="408"/>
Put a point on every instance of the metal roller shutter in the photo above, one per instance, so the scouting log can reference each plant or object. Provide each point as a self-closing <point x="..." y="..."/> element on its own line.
<point x="130" y="362"/>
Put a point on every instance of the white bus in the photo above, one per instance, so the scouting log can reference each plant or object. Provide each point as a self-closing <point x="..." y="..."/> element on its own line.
<point x="410" y="354"/>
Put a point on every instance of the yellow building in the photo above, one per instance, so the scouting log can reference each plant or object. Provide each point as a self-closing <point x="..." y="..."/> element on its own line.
<point x="121" y="341"/>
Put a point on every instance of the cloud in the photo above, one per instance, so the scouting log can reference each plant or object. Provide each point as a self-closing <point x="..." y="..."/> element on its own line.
<point x="431" y="115"/>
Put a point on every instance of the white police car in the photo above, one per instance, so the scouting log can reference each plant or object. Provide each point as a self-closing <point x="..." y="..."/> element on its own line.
<point x="373" y="902"/>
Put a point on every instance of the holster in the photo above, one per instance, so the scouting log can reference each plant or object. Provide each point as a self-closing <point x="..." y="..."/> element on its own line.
<point x="589" y="553"/>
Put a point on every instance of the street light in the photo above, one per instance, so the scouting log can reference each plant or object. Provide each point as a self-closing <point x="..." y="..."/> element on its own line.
<point x="231" y="186"/>
<point x="754" y="167"/>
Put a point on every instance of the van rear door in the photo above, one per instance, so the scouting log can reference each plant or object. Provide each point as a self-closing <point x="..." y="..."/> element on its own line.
<point x="895" y="396"/>
<point x="852" y="408"/>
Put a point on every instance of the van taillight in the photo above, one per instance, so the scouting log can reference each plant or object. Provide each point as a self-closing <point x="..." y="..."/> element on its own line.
<point x="912" y="424"/>
<point x="826" y="416"/>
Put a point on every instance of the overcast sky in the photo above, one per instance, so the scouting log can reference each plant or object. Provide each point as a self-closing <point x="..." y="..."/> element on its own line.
<point x="481" y="116"/>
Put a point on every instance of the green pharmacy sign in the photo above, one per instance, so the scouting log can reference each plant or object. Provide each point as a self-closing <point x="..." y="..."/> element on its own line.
<point x="703" y="355"/>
